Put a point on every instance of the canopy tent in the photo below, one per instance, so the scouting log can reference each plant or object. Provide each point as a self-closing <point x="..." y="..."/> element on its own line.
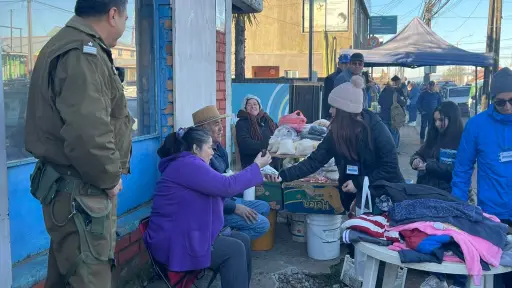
<point x="417" y="45"/>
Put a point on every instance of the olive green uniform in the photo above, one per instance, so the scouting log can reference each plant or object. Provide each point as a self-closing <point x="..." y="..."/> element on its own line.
<point x="79" y="129"/>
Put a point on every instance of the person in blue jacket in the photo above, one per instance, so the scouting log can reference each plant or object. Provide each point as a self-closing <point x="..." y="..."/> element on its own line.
<point x="487" y="140"/>
<point x="343" y="61"/>
<point x="413" y="98"/>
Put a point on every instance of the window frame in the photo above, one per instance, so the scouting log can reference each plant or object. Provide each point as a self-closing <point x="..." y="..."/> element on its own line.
<point x="153" y="73"/>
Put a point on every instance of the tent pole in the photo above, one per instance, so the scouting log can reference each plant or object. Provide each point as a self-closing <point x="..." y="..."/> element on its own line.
<point x="476" y="91"/>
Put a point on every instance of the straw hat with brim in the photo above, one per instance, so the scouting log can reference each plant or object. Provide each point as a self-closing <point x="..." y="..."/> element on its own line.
<point x="206" y="115"/>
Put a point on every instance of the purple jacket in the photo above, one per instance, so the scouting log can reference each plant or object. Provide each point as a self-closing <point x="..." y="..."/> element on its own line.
<point x="187" y="212"/>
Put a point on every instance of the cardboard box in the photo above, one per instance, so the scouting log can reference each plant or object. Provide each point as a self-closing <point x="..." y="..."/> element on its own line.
<point x="312" y="198"/>
<point x="270" y="192"/>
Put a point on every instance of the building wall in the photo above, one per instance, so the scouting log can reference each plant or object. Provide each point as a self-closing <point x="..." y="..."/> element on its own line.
<point x="194" y="58"/>
<point x="221" y="78"/>
<point x="278" y="40"/>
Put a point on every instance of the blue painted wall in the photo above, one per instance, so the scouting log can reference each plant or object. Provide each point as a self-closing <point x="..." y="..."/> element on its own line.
<point x="28" y="233"/>
<point x="274" y="97"/>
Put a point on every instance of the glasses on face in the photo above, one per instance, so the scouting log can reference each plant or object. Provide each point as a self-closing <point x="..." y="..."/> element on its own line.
<point x="502" y="102"/>
<point x="357" y="63"/>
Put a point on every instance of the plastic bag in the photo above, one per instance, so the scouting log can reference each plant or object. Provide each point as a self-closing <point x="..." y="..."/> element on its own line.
<point x="296" y="120"/>
<point x="322" y="123"/>
<point x="305" y="129"/>
<point x="286" y="147"/>
<point x="360" y="257"/>
<point x="304" y="147"/>
<point x="269" y="170"/>
<point x="273" y="144"/>
<point x="285" y="132"/>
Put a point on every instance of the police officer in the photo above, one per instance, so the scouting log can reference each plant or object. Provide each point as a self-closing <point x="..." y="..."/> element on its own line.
<point x="79" y="129"/>
<point x="343" y="61"/>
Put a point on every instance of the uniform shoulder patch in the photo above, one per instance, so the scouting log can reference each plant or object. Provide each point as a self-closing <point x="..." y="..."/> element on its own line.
<point x="89" y="48"/>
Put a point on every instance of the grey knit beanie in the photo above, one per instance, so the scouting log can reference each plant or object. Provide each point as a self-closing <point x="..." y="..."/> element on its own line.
<point x="501" y="82"/>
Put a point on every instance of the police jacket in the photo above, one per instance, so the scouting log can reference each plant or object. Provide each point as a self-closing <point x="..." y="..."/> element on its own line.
<point x="76" y="113"/>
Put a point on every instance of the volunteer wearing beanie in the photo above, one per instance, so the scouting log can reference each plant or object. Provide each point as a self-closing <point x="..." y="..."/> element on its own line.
<point x="487" y="139"/>
<point x="358" y="141"/>
<point x="253" y="130"/>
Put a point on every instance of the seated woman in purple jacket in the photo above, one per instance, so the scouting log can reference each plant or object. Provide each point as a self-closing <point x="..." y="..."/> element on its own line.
<point x="184" y="231"/>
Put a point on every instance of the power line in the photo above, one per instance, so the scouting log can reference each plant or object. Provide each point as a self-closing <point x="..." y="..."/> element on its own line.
<point x="53" y="7"/>
<point x="472" y="12"/>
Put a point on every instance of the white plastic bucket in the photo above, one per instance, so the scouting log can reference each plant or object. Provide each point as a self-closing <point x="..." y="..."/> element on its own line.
<point x="324" y="232"/>
<point x="298" y="227"/>
<point x="250" y="194"/>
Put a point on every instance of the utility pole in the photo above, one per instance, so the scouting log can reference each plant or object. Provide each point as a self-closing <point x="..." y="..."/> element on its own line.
<point x="498" y="7"/>
<point x="429" y="6"/>
<point x="489" y="48"/>
<point x="30" y="54"/>
<point x="497" y="34"/>
<point x="311" y="24"/>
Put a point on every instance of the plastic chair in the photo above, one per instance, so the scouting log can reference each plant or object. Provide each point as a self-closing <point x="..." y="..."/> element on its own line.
<point x="174" y="279"/>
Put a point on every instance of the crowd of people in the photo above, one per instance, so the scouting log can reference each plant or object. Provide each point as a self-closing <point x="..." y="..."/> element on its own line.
<point x="199" y="219"/>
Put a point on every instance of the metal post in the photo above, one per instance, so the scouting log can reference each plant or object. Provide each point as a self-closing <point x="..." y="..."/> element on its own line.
<point x="29" y="19"/>
<point x="476" y="91"/>
<point x="5" y="236"/>
<point x="311" y="24"/>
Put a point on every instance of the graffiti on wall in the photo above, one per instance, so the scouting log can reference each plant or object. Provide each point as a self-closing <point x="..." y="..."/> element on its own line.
<point x="274" y="97"/>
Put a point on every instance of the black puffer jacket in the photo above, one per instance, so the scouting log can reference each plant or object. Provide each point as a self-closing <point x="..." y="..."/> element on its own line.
<point x="248" y="147"/>
<point x="382" y="164"/>
<point x="328" y="87"/>
<point x="436" y="174"/>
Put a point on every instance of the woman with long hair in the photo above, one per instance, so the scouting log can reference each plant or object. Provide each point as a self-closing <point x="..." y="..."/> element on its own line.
<point x="184" y="231"/>
<point x="253" y="129"/>
<point x="434" y="162"/>
<point x="359" y="142"/>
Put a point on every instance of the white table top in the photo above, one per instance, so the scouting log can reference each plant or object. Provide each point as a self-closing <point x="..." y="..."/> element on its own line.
<point x="382" y="253"/>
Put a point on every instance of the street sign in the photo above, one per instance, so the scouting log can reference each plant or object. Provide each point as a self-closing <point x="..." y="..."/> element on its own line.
<point x="373" y="41"/>
<point x="383" y="25"/>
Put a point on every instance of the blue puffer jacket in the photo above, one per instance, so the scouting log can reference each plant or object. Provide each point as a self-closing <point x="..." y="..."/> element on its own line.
<point x="486" y="136"/>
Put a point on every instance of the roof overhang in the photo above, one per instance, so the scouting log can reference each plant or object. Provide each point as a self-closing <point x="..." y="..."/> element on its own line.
<point x="247" y="6"/>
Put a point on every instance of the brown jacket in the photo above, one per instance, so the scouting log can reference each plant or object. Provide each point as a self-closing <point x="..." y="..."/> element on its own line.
<point x="76" y="113"/>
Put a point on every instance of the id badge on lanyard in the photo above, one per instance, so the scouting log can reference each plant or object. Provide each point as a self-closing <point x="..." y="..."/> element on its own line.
<point x="352" y="170"/>
<point x="506" y="156"/>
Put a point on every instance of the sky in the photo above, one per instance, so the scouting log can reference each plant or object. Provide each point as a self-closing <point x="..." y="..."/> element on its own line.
<point x="46" y="14"/>
<point x="461" y="21"/>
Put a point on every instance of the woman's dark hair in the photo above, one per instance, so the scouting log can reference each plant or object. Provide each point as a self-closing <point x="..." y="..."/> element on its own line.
<point x="97" y="8"/>
<point x="450" y="137"/>
<point x="175" y="144"/>
<point x="366" y="77"/>
<point x="350" y="133"/>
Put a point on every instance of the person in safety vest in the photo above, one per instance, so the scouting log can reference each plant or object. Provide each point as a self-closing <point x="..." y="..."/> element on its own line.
<point x="79" y="129"/>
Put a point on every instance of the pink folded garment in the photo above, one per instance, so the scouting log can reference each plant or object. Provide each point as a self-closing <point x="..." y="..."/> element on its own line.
<point x="472" y="247"/>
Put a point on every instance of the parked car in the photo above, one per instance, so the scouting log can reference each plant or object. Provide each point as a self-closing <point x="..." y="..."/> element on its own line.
<point x="460" y="96"/>
<point x="444" y="85"/>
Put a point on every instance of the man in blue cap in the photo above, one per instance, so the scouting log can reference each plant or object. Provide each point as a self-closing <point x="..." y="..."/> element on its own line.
<point x="343" y="61"/>
<point x="354" y="67"/>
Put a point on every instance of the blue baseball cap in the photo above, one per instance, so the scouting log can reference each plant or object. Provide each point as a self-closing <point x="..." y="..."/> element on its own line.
<point x="344" y="58"/>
